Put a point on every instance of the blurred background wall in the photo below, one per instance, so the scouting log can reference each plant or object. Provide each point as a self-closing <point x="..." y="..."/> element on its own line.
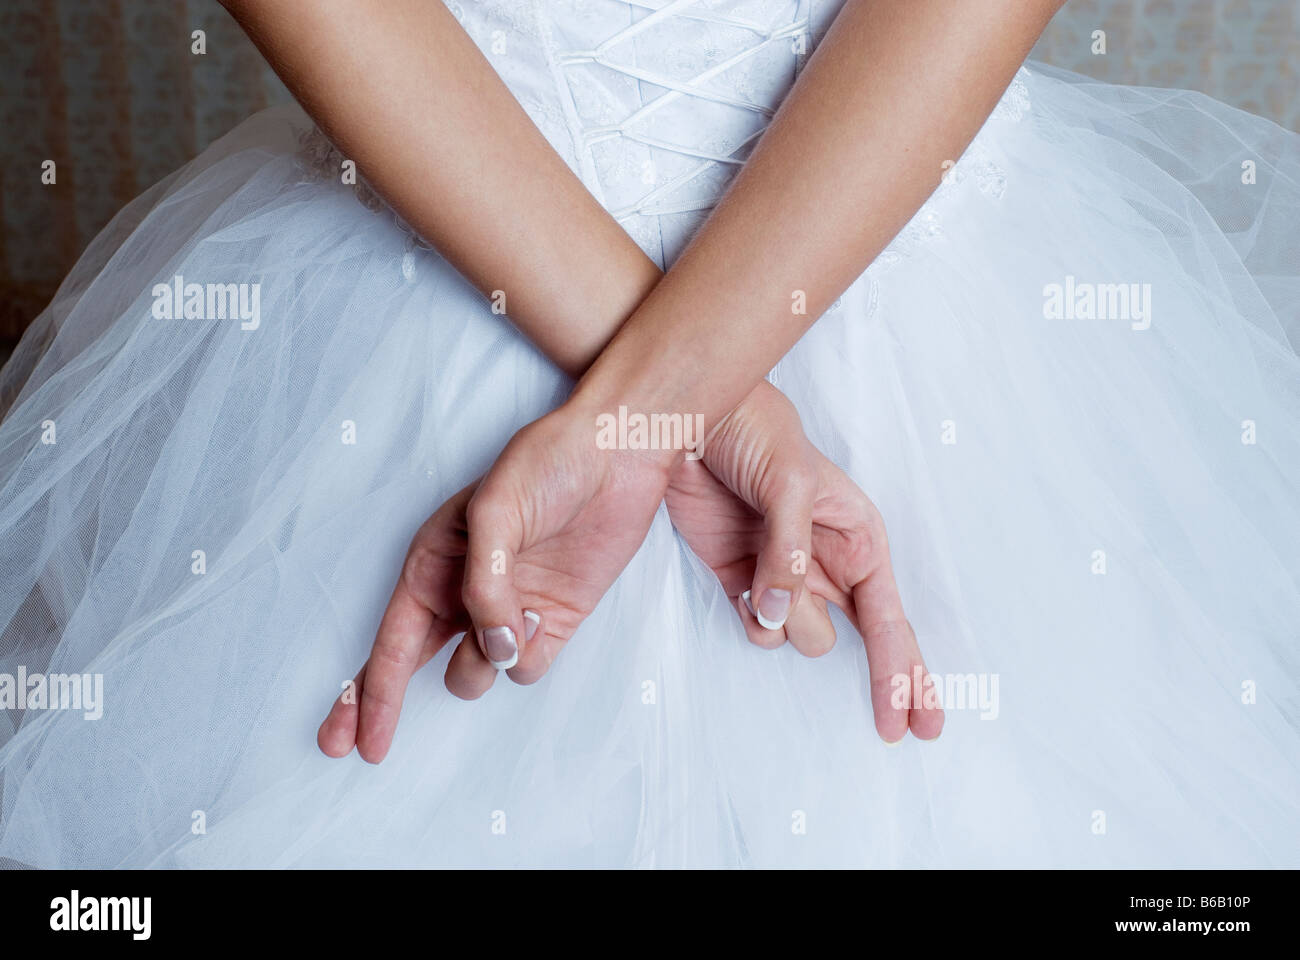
<point x="112" y="92"/>
<point x="1244" y="52"/>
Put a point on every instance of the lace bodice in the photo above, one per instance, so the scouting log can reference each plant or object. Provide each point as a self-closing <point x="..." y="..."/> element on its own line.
<point x="657" y="103"/>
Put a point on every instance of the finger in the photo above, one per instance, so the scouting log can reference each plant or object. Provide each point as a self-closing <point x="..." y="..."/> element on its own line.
<point x="809" y="626"/>
<point x="405" y="641"/>
<point x="898" y="688"/>
<point x="338" y="732"/>
<point x="469" y="674"/>
<point x="926" y="721"/>
<point x="423" y="613"/>
<point x="893" y="687"/>
<point x="787" y="545"/>
<point x="538" y="651"/>
<point x="489" y="591"/>
<point x="759" y="635"/>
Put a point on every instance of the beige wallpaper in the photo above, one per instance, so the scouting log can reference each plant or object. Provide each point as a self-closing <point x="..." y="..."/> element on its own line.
<point x="1245" y="52"/>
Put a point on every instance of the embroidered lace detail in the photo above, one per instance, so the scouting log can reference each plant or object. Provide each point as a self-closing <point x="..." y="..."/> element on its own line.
<point x="1015" y="101"/>
<point x="734" y="60"/>
<point x="731" y="60"/>
<point x="663" y="104"/>
<point x="320" y="160"/>
<point x="976" y="166"/>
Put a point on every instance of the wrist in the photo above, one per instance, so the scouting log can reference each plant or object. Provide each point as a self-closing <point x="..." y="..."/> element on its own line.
<point x="638" y="419"/>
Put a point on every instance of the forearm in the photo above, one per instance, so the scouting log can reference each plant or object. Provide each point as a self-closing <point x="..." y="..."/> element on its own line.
<point x="896" y="88"/>
<point x="403" y="91"/>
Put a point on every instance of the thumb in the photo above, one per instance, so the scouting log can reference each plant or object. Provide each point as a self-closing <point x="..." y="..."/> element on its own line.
<point x="488" y="592"/>
<point x="783" y="559"/>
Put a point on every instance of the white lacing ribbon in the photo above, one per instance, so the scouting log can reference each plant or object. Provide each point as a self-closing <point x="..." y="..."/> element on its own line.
<point x="649" y="204"/>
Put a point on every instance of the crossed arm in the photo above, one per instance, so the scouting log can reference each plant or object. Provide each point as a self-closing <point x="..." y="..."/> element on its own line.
<point x="896" y="88"/>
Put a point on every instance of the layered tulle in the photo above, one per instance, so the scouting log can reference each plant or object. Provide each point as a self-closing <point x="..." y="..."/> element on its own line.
<point x="1095" y="526"/>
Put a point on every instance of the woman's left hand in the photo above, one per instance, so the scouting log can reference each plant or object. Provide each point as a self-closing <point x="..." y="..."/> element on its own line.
<point x="772" y="517"/>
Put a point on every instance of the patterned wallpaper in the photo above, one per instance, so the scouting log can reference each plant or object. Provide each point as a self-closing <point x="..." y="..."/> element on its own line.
<point x="111" y="90"/>
<point x="1244" y="52"/>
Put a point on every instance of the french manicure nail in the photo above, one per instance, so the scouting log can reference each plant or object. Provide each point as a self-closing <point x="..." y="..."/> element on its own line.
<point x="891" y="743"/>
<point x="531" y="620"/>
<point x="502" y="649"/>
<point x="773" y="607"/>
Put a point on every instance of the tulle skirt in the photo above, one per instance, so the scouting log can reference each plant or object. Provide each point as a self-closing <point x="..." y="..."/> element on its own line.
<point x="1071" y="386"/>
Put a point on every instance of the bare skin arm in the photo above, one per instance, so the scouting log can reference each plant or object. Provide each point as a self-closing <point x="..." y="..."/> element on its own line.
<point x="404" y="92"/>
<point x="895" y="89"/>
<point x="475" y="177"/>
<point x="725" y="306"/>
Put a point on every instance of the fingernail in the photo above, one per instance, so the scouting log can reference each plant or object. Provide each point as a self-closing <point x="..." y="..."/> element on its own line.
<point x="531" y="620"/>
<point x="773" y="607"/>
<point x="502" y="650"/>
<point x="891" y="743"/>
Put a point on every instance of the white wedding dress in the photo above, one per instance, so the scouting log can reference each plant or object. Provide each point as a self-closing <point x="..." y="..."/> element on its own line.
<point x="1092" y="491"/>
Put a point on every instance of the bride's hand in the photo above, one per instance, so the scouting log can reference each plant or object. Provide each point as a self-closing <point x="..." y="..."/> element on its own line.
<point x="518" y="559"/>
<point x="521" y="557"/>
<point x="768" y="507"/>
